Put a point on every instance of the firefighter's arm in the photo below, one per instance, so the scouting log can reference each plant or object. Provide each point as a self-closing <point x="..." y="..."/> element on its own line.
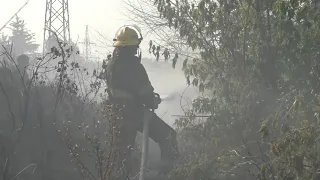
<point x="142" y="86"/>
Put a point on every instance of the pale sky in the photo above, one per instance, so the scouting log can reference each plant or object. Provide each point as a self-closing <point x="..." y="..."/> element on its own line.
<point x="105" y="16"/>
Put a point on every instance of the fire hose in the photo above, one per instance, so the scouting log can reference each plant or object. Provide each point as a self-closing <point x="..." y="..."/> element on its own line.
<point x="145" y="139"/>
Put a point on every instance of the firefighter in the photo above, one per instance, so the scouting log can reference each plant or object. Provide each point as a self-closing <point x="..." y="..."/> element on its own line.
<point x="17" y="74"/>
<point x="129" y="88"/>
<point x="23" y="63"/>
<point x="166" y="54"/>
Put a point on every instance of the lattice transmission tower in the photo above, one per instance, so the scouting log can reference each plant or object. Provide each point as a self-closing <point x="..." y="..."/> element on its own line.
<point x="57" y="20"/>
<point x="87" y="43"/>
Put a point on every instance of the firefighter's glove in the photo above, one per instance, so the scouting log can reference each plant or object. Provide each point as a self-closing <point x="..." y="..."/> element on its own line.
<point x="153" y="101"/>
<point x="156" y="100"/>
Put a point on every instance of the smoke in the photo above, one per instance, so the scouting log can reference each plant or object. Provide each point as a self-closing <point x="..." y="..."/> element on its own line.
<point x="169" y="97"/>
<point x="171" y="85"/>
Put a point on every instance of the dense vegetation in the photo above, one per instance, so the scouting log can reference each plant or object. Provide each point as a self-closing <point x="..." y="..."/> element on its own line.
<point x="256" y="64"/>
<point x="51" y="126"/>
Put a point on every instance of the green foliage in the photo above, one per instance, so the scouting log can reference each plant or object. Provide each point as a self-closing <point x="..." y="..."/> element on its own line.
<point x="294" y="143"/>
<point x="257" y="62"/>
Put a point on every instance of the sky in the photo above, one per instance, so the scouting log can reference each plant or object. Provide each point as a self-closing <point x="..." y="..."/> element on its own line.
<point x="104" y="16"/>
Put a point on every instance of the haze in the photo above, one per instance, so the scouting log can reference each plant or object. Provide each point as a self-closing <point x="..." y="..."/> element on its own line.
<point x="105" y="17"/>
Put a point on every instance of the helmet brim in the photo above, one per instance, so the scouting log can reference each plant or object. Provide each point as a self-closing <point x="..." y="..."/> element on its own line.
<point x="126" y="43"/>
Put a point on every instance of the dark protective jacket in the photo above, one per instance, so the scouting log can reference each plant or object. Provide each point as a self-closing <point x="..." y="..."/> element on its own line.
<point x="128" y="79"/>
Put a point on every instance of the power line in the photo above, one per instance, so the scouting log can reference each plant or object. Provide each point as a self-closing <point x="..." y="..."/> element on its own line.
<point x="108" y="39"/>
<point x="13" y="16"/>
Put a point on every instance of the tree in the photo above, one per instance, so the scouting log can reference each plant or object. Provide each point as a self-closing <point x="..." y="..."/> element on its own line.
<point x="4" y="40"/>
<point x="254" y="58"/>
<point x="22" y="38"/>
<point x="4" y="43"/>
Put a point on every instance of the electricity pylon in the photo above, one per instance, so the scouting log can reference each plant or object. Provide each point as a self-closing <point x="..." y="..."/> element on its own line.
<point x="87" y="43"/>
<point x="57" y="21"/>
